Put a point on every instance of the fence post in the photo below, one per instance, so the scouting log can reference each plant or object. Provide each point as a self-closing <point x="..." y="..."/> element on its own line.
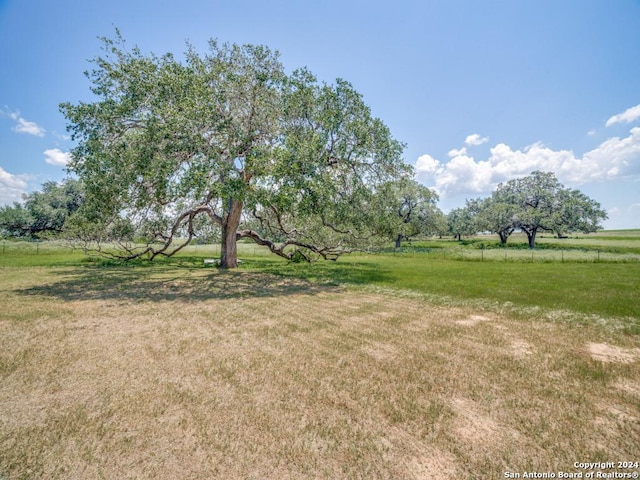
<point x="562" y="252"/>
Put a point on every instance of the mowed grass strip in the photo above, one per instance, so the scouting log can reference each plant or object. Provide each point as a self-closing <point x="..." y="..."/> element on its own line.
<point x="194" y="373"/>
<point x="604" y="293"/>
<point x="608" y="290"/>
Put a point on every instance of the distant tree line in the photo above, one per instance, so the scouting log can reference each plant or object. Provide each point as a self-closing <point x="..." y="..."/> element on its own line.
<point x="538" y="202"/>
<point x="406" y="209"/>
<point x="42" y="214"/>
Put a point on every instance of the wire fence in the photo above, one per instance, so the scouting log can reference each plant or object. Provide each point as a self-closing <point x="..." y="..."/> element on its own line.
<point x="47" y="247"/>
<point x="526" y="255"/>
<point x="569" y="255"/>
<point x="34" y="247"/>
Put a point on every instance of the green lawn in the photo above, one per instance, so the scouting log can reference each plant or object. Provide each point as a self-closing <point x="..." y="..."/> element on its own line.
<point x="588" y="290"/>
<point x="445" y="272"/>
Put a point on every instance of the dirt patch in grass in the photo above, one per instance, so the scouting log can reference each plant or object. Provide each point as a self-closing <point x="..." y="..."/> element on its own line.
<point x="273" y="379"/>
<point x="472" y="320"/>
<point x="521" y="348"/>
<point x="473" y="425"/>
<point x="611" y="353"/>
<point x="629" y="387"/>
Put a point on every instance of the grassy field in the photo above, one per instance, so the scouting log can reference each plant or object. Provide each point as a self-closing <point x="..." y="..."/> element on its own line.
<point x="415" y="364"/>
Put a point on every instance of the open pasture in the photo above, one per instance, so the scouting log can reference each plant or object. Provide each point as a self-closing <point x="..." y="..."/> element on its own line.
<point x="377" y="366"/>
<point x="607" y="239"/>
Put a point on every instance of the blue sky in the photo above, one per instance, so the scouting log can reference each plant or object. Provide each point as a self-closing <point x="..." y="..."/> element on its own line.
<point x="480" y="91"/>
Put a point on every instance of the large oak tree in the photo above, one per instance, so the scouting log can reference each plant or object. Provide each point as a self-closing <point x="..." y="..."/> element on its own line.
<point x="540" y="202"/>
<point x="282" y="159"/>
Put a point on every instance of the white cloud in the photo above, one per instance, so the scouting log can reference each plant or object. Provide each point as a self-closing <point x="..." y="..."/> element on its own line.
<point x="463" y="173"/>
<point x="457" y="153"/>
<point x="11" y="187"/>
<point x="31" y="128"/>
<point x="55" y="156"/>
<point x="628" y="116"/>
<point x="475" y="139"/>
<point x="616" y="158"/>
<point x="427" y="164"/>
<point x="25" y="126"/>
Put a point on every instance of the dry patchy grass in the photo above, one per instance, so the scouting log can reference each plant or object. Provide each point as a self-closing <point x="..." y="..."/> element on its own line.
<point x="197" y="374"/>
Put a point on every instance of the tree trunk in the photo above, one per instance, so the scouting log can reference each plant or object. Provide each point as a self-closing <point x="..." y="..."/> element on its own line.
<point x="503" y="237"/>
<point x="229" y="246"/>
<point x="399" y="241"/>
<point x="531" y="236"/>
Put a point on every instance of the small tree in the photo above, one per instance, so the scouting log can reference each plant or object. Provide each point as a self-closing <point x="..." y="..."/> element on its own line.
<point x="412" y="208"/>
<point x="440" y="224"/>
<point x="461" y="222"/>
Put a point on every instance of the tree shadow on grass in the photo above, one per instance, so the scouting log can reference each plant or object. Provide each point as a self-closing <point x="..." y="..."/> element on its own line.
<point x="177" y="282"/>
